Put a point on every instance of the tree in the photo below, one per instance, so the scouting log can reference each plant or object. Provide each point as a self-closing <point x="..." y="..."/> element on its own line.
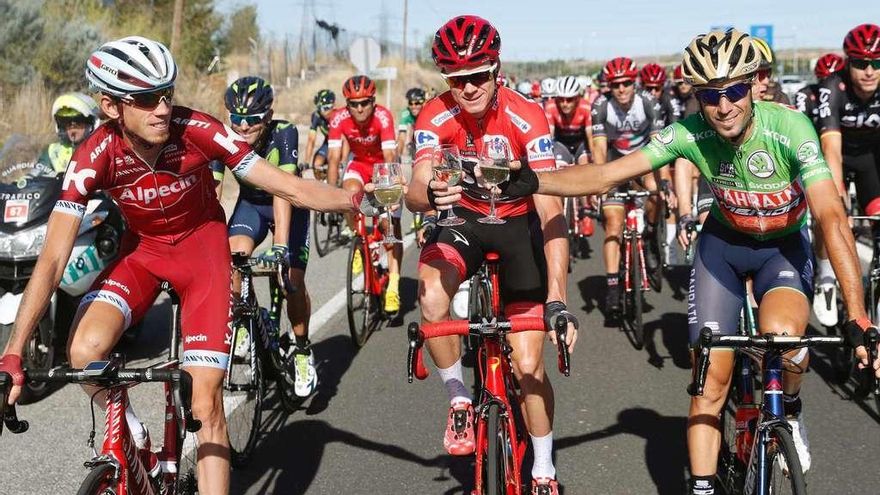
<point x="21" y="29"/>
<point x="242" y="26"/>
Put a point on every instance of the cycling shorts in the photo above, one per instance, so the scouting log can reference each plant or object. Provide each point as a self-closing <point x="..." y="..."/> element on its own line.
<point x="199" y="269"/>
<point x="322" y="151"/>
<point x="519" y="243"/>
<point x="866" y="168"/>
<point x="363" y="173"/>
<point x="255" y="220"/>
<point x="705" y="198"/>
<point x="723" y="261"/>
<point x="610" y="202"/>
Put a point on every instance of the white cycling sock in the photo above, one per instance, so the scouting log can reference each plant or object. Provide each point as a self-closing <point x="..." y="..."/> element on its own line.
<point x="138" y="431"/>
<point x="825" y="271"/>
<point x="543" y="448"/>
<point x="454" y="382"/>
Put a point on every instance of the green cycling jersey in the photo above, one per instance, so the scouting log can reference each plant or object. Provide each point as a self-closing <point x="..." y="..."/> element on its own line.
<point x="407" y="120"/>
<point x="759" y="185"/>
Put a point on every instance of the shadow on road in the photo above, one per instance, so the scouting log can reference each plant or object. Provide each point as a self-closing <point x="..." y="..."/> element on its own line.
<point x="673" y="330"/>
<point x="665" y="448"/>
<point x="678" y="277"/>
<point x="334" y="356"/>
<point x="593" y="291"/>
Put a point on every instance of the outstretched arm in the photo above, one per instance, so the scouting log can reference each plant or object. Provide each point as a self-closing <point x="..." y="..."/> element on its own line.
<point x="594" y="179"/>
<point x="310" y="194"/>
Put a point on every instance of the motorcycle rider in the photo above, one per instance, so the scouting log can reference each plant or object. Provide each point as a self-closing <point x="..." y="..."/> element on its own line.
<point x="75" y="116"/>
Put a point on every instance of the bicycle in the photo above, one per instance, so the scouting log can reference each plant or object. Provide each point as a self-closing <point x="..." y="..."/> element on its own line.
<point x="577" y="239"/>
<point x="632" y="261"/>
<point x="501" y="435"/>
<point x="754" y="466"/>
<point x="366" y="289"/>
<point x="120" y="468"/>
<point x="266" y="357"/>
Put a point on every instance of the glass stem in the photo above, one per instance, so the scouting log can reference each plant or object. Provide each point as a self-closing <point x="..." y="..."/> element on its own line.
<point x="451" y="213"/>
<point x="492" y="204"/>
<point x="390" y="224"/>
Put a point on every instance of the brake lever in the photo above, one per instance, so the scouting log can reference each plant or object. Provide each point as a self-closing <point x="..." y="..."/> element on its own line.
<point x="701" y="363"/>
<point x="283" y="274"/>
<point x="563" y="359"/>
<point x="415" y="363"/>
<point x="871" y="339"/>
<point x="8" y="413"/>
<point x="183" y="398"/>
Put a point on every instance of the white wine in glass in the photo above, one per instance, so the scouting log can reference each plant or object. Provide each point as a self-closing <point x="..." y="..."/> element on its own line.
<point x="495" y="166"/>
<point x="389" y="189"/>
<point x="447" y="168"/>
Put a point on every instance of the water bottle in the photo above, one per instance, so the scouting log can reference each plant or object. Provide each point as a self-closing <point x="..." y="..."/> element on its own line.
<point x="460" y="301"/>
<point x="746" y="422"/>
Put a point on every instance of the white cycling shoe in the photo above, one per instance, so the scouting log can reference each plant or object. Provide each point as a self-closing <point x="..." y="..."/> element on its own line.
<point x="801" y="444"/>
<point x="306" y="378"/>
<point x="825" y="304"/>
<point x="242" y="343"/>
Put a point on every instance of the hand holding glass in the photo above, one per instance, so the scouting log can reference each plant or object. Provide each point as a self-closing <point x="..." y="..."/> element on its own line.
<point x="495" y="168"/>
<point x="389" y="189"/>
<point x="446" y="165"/>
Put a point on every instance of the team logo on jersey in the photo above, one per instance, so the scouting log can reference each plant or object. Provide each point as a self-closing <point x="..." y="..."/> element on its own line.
<point x="78" y="178"/>
<point x="761" y="164"/>
<point x="518" y="121"/>
<point x="158" y="190"/>
<point x="726" y="169"/>
<point x="496" y="145"/>
<point x="808" y="152"/>
<point x="425" y="139"/>
<point x="443" y="117"/>
<point x="666" y="135"/>
<point x="540" y="148"/>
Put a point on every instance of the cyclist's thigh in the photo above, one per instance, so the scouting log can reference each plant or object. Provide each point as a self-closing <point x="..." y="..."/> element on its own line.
<point x="612" y="203"/>
<point x="199" y="269"/>
<point x="247" y="221"/>
<point x="582" y="154"/>
<point x="457" y="249"/>
<point x="716" y="291"/>
<point x="523" y="266"/>
<point x="783" y="285"/>
<point x="356" y="175"/>
<point x="865" y="167"/>
<point x="298" y="239"/>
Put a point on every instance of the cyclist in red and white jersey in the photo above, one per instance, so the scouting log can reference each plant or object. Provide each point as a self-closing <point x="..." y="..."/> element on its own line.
<point x="368" y="129"/>
<point x="532" y="245"/>
<point x="153" y="159"/>
<point x="569" y="116"/>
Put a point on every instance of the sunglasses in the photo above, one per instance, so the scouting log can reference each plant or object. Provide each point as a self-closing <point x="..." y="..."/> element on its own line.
<point x="360" y="103"/>
<point x="416" y="103"/>
<point x="151" y="100"/>
<point x="326" y="108"/>
<point x="618" y="84"/>
<point x="654" y="88"/>
<point x="566" y="99"/>
<point x="251" y="120"/>
<point x="862" y="64"/>
<point x="712" y="96"/>
<point x="477" y="79"/>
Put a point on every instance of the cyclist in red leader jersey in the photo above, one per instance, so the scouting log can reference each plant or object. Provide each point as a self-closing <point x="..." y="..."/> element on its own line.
<point x="368" y="129"/>
<point x="473" y="112"/>
<point x="153" y="158"/>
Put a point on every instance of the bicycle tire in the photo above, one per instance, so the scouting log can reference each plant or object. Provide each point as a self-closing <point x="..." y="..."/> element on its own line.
<point x="358" y="300"/>
<point x="99" y="481"/>
<point x="731" y="471"/>
<point x="780" y="483"/>
<point x="322" y="243"/>
<point x="660" y="246"/>
<point x="638" y="329"/>
<point x="498" y="450"/>
<point x="244" y="419"/>
<point x="279" y="356"/>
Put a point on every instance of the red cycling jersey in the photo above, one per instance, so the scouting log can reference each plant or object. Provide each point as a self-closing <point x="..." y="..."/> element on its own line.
<point x="177" y="228"/>
<point x="512" y="118"/>
<point x="367" y="141"/>
<point x="569" y="130"/>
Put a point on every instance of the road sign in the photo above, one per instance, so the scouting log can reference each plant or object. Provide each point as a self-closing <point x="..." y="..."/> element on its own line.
<point x="365" y="54"/>
<point x="386" y="73"/>
<point x="763" y="31"/>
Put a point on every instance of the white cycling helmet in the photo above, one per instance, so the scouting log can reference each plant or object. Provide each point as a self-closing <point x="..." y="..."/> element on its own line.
<point x="75" y="105"/>
<point x="568" y="87"/>
<point x="548" y="87"/>
<point x="524" y="87"/>
<point x="131" y="65"/>
<point x="585" y="82"/>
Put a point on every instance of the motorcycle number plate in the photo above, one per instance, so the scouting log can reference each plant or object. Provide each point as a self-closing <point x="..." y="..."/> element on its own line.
<point x="16" y="211"/>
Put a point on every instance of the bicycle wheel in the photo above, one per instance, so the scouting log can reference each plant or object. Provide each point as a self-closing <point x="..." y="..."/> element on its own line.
<point x="187" y="479"/>
<point x="100" y="481"/>
<point x="320" y="233"/>
<point x="244" y="390"/>
<point x="498" y="472"/>
<point x="659" y="245"/>
<point x="280" y="354"/>
<point x="635" y="266"/>
<point x="791" y="480"/>
<point x="359" y="297"/>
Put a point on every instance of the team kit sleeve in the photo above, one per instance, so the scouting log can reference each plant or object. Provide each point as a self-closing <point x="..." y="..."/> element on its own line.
<point x="217" y="141"/>
<point x="315" y="123"/>
<point x="427" y="134"/>
<point x="85" y="174"/>
<point x="804" y="151"/>
<point x="598" y="114"/>
<point x="287" y="146"/>
<point x="387" y="133"/>
<point x="829" y="102"/>
<point x="217" y="170"/>
<point x="665" y="146"/>
<point x="537" y="144"/>
<point x="334" y="134"/>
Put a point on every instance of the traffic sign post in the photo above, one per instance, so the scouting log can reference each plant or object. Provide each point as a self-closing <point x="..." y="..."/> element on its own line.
<point x="763" y="31"/>
<point x="365" y="54"/>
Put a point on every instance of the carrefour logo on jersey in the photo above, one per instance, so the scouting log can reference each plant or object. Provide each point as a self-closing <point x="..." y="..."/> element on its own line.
<point x="425" y="139"/>
<point x="149" y="191"/>
<point x="540" y="148"/>
<point x="761" y="165"/>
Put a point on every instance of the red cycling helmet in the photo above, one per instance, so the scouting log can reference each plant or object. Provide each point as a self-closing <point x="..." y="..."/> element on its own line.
<point x="465" y="42"/>
<point x="863" y="41"/>
<point x="827" y="64"/>
<point x="677" y="76"/>
<point x="652" y="75"/>
<point x="358" y="87"/>
<point x="620" y="68"/>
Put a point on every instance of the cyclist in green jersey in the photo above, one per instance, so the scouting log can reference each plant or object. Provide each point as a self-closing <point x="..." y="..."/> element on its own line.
<point x="765" y="167"/>
<point x="415" y="99"/>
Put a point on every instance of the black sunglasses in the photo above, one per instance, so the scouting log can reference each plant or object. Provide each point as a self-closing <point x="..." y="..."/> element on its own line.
<point x="360" y="103"/>
<point x="734" y="93"/>
<point x="566" y="99"/>
<point x="151" y="100"/>
<point x="477" y="79"/>
<point x="862" y="64"/>
<point x="625" y="84"/>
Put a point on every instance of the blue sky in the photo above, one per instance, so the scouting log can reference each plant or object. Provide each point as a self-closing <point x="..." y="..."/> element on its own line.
<point x="541" y="30"/>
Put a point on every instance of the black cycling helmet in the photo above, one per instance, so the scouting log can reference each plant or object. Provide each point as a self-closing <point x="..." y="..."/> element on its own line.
<point x="325" y="97"/>
<point x="415" y="95"/>
<point x="249" y="95"/>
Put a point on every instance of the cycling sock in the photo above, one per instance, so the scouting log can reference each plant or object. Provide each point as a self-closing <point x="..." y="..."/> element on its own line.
<point x="302" y="342"/>
<point x="543" y="449"/>
<point x="824" y="270"/>
<point x="393" y="281"/>
<point x="791" y="404"/>
<point x="454" y="383"/>
<point x="702" y="485"/>
<point x="612" y="278"/>
<point x="138" y="432"/>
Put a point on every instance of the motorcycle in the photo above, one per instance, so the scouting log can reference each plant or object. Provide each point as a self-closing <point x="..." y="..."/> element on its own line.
<point x="28" y="192"/>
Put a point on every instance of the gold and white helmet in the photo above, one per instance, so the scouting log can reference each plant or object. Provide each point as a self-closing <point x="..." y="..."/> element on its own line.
<point x="719" y="56"/>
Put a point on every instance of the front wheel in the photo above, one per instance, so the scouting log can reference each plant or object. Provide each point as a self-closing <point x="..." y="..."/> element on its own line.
<point x="359" y="299"/>
<point x="100" y="481"/>
<point x="319" y="227"/>
<point x="499" y="454"/>
<point x="632" y="299"/>
<point x="782" y="452"/>
<point x="244" y="387"/>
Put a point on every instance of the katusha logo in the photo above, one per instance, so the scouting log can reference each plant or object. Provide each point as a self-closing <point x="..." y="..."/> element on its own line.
<point x="157" y="191"/>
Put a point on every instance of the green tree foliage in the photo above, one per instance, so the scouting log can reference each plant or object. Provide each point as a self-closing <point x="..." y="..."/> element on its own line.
<point x="241" y="28"/>
<point x="21" y="28"/>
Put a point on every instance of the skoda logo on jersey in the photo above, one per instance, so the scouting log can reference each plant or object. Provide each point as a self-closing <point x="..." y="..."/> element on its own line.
<point x="761" y="164"/>
<point x="808" y="152"/>
<point x="666" y="135"/>
<point x="425" y="139"/>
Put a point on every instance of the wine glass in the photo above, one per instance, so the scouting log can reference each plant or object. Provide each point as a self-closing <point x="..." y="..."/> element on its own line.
<point x="389" y="189"/>
<point x="447" y="168"/>
<point x="494" y="161"/>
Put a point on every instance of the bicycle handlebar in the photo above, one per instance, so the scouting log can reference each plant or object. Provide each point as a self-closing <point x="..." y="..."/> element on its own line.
<point x="417" y="336"/>
<point x="631" y="194"/>
<point x="768" y="341"/>
<point x="258" y="267"/>
<point x="180" y="379"/>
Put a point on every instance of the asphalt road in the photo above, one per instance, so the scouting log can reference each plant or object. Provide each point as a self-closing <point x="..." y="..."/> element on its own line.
<point x="619" y="429"/>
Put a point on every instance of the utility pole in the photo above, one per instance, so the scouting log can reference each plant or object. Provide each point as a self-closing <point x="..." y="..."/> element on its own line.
<point x="404" y="32"/>
<point x="175" y="25"/>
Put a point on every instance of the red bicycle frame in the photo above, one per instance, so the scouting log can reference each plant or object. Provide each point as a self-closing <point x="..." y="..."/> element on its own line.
<point x="374" y="282"/>
<point x="633" y="232"/>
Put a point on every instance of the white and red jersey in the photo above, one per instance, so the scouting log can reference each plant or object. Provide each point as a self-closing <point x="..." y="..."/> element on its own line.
<point x="169" y="199"/>
<point x="570" y="130"/>
<point x="366" y="140"/>
<point x="512" y="118"/>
